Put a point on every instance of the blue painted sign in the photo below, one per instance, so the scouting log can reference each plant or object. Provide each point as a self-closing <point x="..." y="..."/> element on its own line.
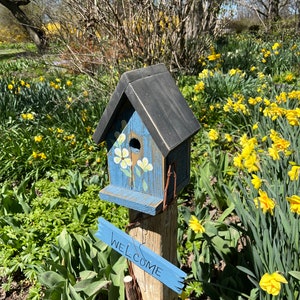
<point x="147" y="260"/>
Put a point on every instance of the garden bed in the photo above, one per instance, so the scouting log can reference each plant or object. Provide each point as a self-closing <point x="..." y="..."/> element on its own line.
<point x="238" y="213"/>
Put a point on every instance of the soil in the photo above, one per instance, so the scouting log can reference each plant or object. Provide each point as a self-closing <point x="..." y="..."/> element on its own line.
<point x="18" y="290"/>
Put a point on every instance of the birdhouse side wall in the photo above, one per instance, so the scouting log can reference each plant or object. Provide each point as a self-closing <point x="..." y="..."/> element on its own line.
<point x="179" y="160"/>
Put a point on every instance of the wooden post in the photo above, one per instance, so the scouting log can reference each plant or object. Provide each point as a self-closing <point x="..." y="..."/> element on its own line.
<point x="131" y="292"/>
<point x="159" y="233"/>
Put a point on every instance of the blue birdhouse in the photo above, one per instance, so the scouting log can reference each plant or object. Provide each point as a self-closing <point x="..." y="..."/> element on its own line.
<point x="147" y="126"/>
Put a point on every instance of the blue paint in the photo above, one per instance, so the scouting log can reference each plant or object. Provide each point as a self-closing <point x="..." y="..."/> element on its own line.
<point x="135" y="166"/>
<point x="134" y="200"/>
<point x="147" y="260"/>
<point x="131" y="176"/>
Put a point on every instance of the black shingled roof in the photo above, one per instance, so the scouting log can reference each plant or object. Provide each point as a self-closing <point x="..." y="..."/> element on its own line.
<point x="154" y="95"/>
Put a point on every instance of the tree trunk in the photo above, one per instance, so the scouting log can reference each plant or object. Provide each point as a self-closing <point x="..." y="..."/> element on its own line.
<point x="202" y="17"/>
<point x="36" y="34"/>
<point x="274" y="10"/>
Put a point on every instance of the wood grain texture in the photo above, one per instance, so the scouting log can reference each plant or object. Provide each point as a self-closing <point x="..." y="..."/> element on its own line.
<point x="159" y="234"/>
<point x="134" y="200"/>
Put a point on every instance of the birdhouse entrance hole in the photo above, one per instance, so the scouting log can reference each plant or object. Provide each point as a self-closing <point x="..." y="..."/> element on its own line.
<point x="135" y="145"/>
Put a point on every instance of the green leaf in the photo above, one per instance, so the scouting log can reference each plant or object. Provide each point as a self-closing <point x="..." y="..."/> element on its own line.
<point x="50" y="278"/>
<point x="137" y="171"/>
<point x="295" y="274"/>
<point x="226" y="212"/>
<point x="245" y="270"/>
<point x="283" y="220"/>
<point x="73" y="293"/>
<point x="91" y="286"/>
<point x="126" y="172"/>
<point x="145" y="186"/>
<point x="52" y="204"/>
<point x="87" y="274"/>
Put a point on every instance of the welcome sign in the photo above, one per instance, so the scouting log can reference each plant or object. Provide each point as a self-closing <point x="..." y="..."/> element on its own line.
<point x="147" y="260"/>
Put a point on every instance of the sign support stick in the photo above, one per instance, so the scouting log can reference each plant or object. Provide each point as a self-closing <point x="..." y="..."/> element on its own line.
<point x="159" y="233"/>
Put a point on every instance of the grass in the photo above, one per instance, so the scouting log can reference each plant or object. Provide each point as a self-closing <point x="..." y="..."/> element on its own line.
<point x="4" y="54"/>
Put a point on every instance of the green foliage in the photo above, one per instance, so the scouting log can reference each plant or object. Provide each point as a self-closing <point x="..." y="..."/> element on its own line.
<point x="33" y="218"/>
<point x="247" y="151"/>
<point x="81" y="267"/>
<point x="50" y="180"/>
<point x="43" y="120"/>
<point x="248" y="103"/>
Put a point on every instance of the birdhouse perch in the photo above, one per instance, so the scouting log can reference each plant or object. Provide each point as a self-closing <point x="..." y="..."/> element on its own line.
<point x="147" y="126"/>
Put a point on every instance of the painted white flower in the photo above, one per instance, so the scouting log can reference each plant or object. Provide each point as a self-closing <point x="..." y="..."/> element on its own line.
<point x="121" y="137"/>
<point x="144" y="164"/>
<point x="122" y="158"/>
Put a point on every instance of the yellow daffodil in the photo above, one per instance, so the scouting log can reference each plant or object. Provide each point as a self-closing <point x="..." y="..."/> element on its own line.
<point x="289" y="77"/>
<point x="42" y="155"/>
<point x="233" y="72"/>
<point x="214" y="56"/>
<point x="85" y="93"/>
<point x="238" y="162"/>
<point x="38" y="138"/>
<point x="228" y="137"/>
<point x="34" y="154"/>
<point x="213" y="135"/>
<point x="59" y="130"/>
<point x="282" y="144"/>
<point x="276" y="46"/>
<point x="251" y="162"/>
<point x="264" y="202"/>
<point x="205" y="73"/>
<point x="282" y="97"/>
<point x="256" y="181"/>
<point x="264" y="138"/>
<point x="293" y="116"/>
<point x="294" y="201"/>
<point x="195" y="225"/>
<point x="271" y="283"/>
<point x="27" y="116"/>
<point x="273" y="152"/>
<point x="199" y="87"/>
<point x="294" y="94"/>
<point x="294" y="173"/>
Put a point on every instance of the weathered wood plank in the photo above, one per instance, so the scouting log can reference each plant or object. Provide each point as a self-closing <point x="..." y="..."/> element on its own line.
<point x="134" y="200"/>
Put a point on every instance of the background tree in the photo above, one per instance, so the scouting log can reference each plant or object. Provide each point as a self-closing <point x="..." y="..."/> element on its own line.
<point x="175" y="32"/>
<point x="268" y="11"/>
<point x="35" y="32"/>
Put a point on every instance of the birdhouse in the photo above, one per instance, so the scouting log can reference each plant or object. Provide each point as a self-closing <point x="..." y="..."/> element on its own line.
<point x="147" y="126"/>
